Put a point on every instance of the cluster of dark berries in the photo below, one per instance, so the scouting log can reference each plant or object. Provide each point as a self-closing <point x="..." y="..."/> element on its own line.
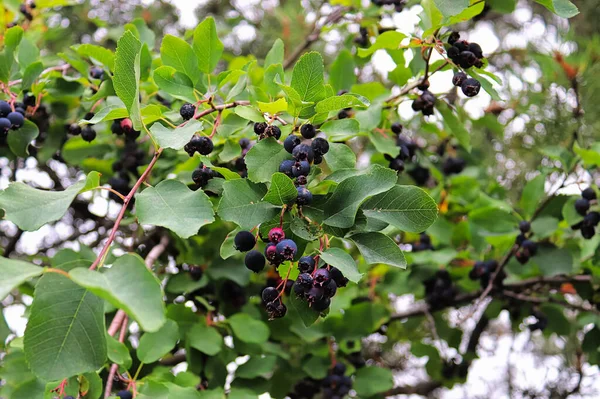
<point x="465" y="55"/>
<point x="453" y="368"/>
<point x="527" y="248"/>
<point x="482" y="271"/>
<point x="439" y="290"/>
<point x="124" y="127"/>
<point x="453" y="165"/>
<point x="271" y="297"/>
<point x="336" y="384"/>
<point x="304" y="155"/>
<point x="362" y="39"/>
<point x="424" y="103"/>
<point x="540" y="323"/>
<point x="398" y="4"/>
<point x="306" y="388"/>
<point x="590" y="219"/>
<point x="88" y="133"/>
<point x="317" y="285"/>
<point x="469" y="86"/>
<point x="424" y="243"/>
<point x="264" y="130"/>
<point x="279" y="249"/>
<point x="408" y="149"/>
<point x="26" y="8"/>
<point x="203" y="174"/>
<point x="201" y="144"/>
<point x="10" y="119"/>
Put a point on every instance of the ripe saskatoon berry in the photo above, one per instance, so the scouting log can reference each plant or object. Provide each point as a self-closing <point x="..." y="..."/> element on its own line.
<point x="453" y="53"/>
<point x="330" y="288"/>
<point x="205" y="145"/>
<point x="201" y="176"/>
<point x="244" y="143"/>
<point x="476" y="49"/>
<point x="125" y="395"/>
<point x="5" y="108"/>
<point x="396" y="128"/>
<point x="337" y="276"/>
<point x="269" y="294"/>
<point x="397" y="164"/>
<point x="308" y="131"/>
<point x="343" y="114"/>
<point x="259" y="127"/>
<point x="314" y="294"/>
<point x="304" y="196"/>
<point x="303" y="152"/>
<point x="589" y="194"/>
<point x="4" y="125"/>
<point x="304" y="280"/>
<point x="529" y="247"/>
<point x="520" y="239"/>
<point x="306" y="264"/>
<point x="339" y="369"/>
<point x="286" y="167"/>
<point x="453" y="38"/>
<point x="96" y="72"/>
<point x="196" y="273"/>
<point x="301" y="181"/>
<point x="320" y="146"/>
<point x="88" y="134"/>
<point x="299" y="290"/>
<point x="320" y="304"/>
<point x="321" y="277"/>
<point x="470" y="87"/>
<point x="461" y="45"/>
<point x="276" y="310"/>
<point x="459" y="78"/>
<point x="276" y="234"/>
<point x="74" y="129"/>
<point x="244" y="241"/>
<point x="591" y="219"/>
<point x="301" y="168"/>
<point x="286" y="249"/>
<point x="116" y="128"/>
<point x="291" y="142"/>
<point x="16" y="119"/>
<point x="29" y="100"/>
<point x="272" y="255"/>
<point x="273" y="131"/>
<point x="318" y="159"/>
<point x="466" y="59"/>
<point x="88" y="116"/>
<point x="588" y="232"/>
<point x="187" y="111"/>
<point x="254" y="261"/>
<point x="582" y="205"/>
<point x="524" y="226"/>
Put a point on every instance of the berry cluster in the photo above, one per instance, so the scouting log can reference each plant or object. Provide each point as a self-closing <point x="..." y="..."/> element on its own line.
<point x="424" y="103"/>
<point x="10" y="119"/>
<point x="317" y="286"/>
<point x="336" y="385"/>
<point x="304" y="155"/>
<point x="306" y="388"/>
<point x="124" y="127"/>
<point x="200" y="144"/>
<point x="527" y="248"/>
<point x="482" y="271"/>
<point x="424" y="243"/>
<point x="203" y="174"/>
<point x="590" y="219"/>
<point x="465" y="55"/>
<point x="408" y="149"/>
<point x="439" y="290"/>
<point x="264" y="130"/>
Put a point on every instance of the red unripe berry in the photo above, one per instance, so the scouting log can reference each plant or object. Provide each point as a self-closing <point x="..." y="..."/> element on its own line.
<point x="126" y="124"/>
<point x="276" y="234"/>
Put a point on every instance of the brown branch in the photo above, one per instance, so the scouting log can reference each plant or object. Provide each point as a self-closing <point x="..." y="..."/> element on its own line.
<point x="422" y="388"/>
<point x="422" y="308"/>
<point x="540" y="300"/>
<point x="173" y="360"/>
<point x="115" y="367"/>
<point x="478" y="330"/>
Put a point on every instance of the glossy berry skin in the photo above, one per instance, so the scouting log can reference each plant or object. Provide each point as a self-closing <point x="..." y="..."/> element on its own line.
<point x="244" y="143"/>
<point x="259" y="127"/>
<point x="269" y="294"/>
<point x="582" y="206"/>
<point x="337" y="276"/>
<point x="244" y="241"/>
<point x="255" y="261"/>
<point x="276" y="310"/>
<point x="304" y="196"/>
<point x="196" y="273"/>
<point x="291" y="142"/>
<point x="320" y="146"/>
<point x="272" y="255"/>
<point x="125" y="395"/>
<point x="303" y="152"/>
<point x="187" y="111"/>
<point x="286" y="249"/>
<point x="529" y="247"/>
<point x="96" y="72"/>
<point x="306" y="264"/>
<point x="304" y="280"/>
<point x="273" y="131"/>
<point x="476" y="49"/>
<point x="205" y="145"/>
<point x="459" y="78"/>
<point x="301" y="168"/>
<point x="396" y="128"/>
<point x="589" y="194"/>
<point x="339" y="369"/>
<point x="276" y="234"/>
<point x="591" y="219"/>
<point x="88" y="134"/>
<point x="397" y="164"/>
<point x="524" y="226"/>
<point x="286" y="167"/>
<point x="5" y="125"/>
<point x="315" y="294"/>
<point x="466" y="59"/>
<point x="5" y="108"/>
<point x="470" y="87"/>
<point x="74" y="129"/>
<point x="321" y="277"/>
<point x="116" y="128"/>
<point x="16" y="119"/>
<point x="320" y="304"/>
<point x="588" y="232"/>
<point x="330" y="289"/>
<point x="308" y="131"/>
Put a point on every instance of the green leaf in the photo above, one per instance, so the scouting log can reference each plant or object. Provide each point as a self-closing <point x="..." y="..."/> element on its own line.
<point x="127" y="285"/>
<point x="30" y="208"/>
<point x="339" y="258"/>
<point x="407" y="208"/>
<point x="562" y="8"/>
<point x="532" y="195"/>
<point x="340" y="130"/>
<point x="493" y="220"/>
<point x="126" y="81"/>
<point x="264" y="158"/>
<point x="15" y="273"/>
<point x="340" y="209"/>
<point x="249" y="113"/>
<point x="590" y="156"/>
<point x="103" y="55"/>
<point x="205" y="339"/>
<point x="282" y="190"/>
<point x="379" y="248"/>
<point x="553" y="261"/>
<point x="65" y="334"/>
<point x="257" y="366"/>
<point x="451" y="7"/>
<point x="31" y="73"/>
<point x="177" y="53"/>
<point x="307" y="77"/>
<point x="455" y="125"/>
<point x="118" y="352"/>
<point x="241" y="203"/>
<point x="389" y="40"/>
<point x="248" y="329"/>
<point x="173" y="205"/>
<point x="340" y="156"/>
<point x="155" y="345"/>
<point x="557" y="322"/>
<point x="19" y="140"/>
<point x="12" y="38"/>
<point x="276" y="54"/>
<point x="175" y="138"/>
<point x="175" y="83"/>
<point x="342" y="76"/>
<point x="370" y="381"/>
<point x="107" y="113"/>
<point x="302" y="310"/>
<point x="207" y="46"/>
<point x="274" y="107"/>
<point x="28" y="53"/>
<point x="340" y="102"/>
<point x="569" y="213"/>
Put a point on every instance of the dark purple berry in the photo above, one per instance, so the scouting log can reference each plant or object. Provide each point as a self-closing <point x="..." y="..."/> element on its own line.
<point x="459" y="78"/>
<point x="88" y="134"/>
<point x="291" y="142"/>
<point x="96" y="72"/>
<point x="321" y="277"/>
<point x="314" y="294"/>
<point x="396" y="128"/>
<point x="187" y="111"/>
<point x="5" y="108"/>
<point x="273" y="131"/>
<point x="269" y="294"/>
<point x="300" y="168"/>
<point x="286" y="249"/>
<point x="5" y="125"/>
<point x="205" y="145"/>
<point x="589" y="194"/>
<point x="244" y="241"/>
<point x="304" y="196"/>
<point x="303" y="152"/>
<point x="582" y="205"/>
<point x="320" y="146"/>
<point x="16" y="119"/>
<point x="286" y="167"/>
<point x="255" y="261"/>
<point x="259" y="127"/>
<point x="306" y="264"/>
<point x="470" y="87"/>
<point x="330" y="288"/>
<point x="308" y="131"/>
<point x="320" y="304"/>
<point x="524" y="226"/>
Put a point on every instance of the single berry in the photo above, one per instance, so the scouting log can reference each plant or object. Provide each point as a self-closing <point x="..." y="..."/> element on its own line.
<point x="74" y="129"/>
<point x="339" y="369"/>
<point x="276" y="310"/>
<point x="244" y="241"/>
<point x="303" y="152"/>
<point x="524" y="226"/>
<point x="459" y="78"/>
<point x="273" y="131"/>
<point x="337" y="276"/>
<point x="187" y="111"/>
<point x="300" y="290"/>
<point x="461" y="45"/>
<point x="470" y="87"/>
<point x="453" y="53"/>
<point x="5" y="108"/>
<point x="259" y="127"/>
<point x="308" y="131"/>
<point x="125" y="395"/>
<point x="589" y="194"/>
<point x="301" y="168"/>
<point x="301" y="181"/>
<point x="396" y="128"/>
<point x="591" y="219"/>
<point x="244" y="143"/>
<point x="116" y="128"/>
<point x="306" y="264"/>
<point x="397" y="164"/>
<point x="5" y="125"/>
<point x="88" y="134"/>
<point x="453" y="38"/>
<point x="476" y="49"/>
<point x="520" y="239"/>
<point x="291" y="142"/>
<point x="126" y="125"/>
<point x="88" y="116"/>
<point x="582" y="205"/>
<point x="201" y="176"/>
<point x="588" y="232"/>
<point x="321" y="304"/>
<point x="529" y="247"/>
<point x="466" y="59"/>
<point x="205" y="145"/>
<point x="96" y="72"/>
<point x="286" y="249"/>
<point x="286" y="167"/>
<point x="321" y="277"/>
<point x="343" y="114"/>
<point x="304" y="280"/>
<point x="276" y="234"/>
<point x="196" y="273"/>
<point x="318" y="159"/>
<point x="304" y="196"/>
<point x="16" y="119"/>
<point x="269" y="294"/>
<point x="272" y="255"/>
<point x="330" y="288"/>
<point x="522" y="257"/>
<point x="29" y="100"/>
<point x="320" y="146"/>
<point x="314" y="294"/>
<point x="255" y="261"/>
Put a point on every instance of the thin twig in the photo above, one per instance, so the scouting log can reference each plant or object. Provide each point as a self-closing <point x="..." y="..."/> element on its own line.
<point x="114" y="368"/>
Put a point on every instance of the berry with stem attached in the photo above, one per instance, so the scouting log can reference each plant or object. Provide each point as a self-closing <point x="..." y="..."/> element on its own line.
<point x="187" y="111"/>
